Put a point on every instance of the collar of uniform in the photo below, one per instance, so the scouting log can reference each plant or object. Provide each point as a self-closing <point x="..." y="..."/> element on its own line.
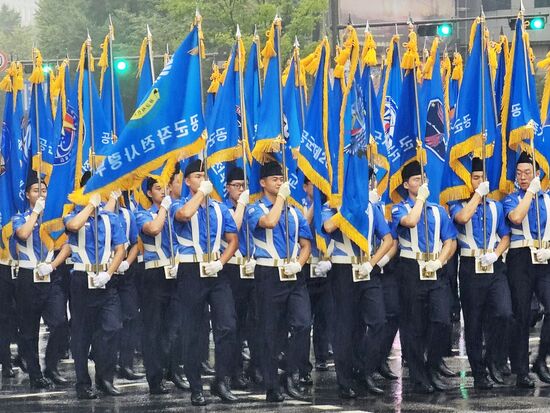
<point x="154" y="209"/>
<point x="210" y="201"/>
<point x="229" y="204"/>
<point x="267" y="202"/>
<point x="521" y="193"/>
<point x="411" y="202"/>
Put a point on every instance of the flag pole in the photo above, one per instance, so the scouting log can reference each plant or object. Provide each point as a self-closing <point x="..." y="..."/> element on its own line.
<point x="198" y="22"/>
<point x="111" y="63"/>
<point x="483" y="127"/>
<point x="277" y="23"/>
<point x="92" y="146"/>
<point x="419" y="149"/>
<point x="244" y="127"/>
<point x="531" y="123"/>
<point x="258" y="58"/>
<point x="368" y="123"/>
<point x="38" y="145"/>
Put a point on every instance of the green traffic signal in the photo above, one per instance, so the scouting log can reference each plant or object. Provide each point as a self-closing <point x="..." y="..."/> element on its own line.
<point x="121" y="66"/>
<point x="445" y="30"/>
<point x="537" y="23"/>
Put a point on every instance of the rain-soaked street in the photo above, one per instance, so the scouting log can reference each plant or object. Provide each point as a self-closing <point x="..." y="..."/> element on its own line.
<point x="15" y="395"/>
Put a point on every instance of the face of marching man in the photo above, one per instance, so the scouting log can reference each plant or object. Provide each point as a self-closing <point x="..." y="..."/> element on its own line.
<point x="235" y="188"/>
<point x="33" y="193"/>
<point x="525" y="174"/>
<point x="174" y="186"/>
<point x="476" y="178"/>
<point x="156" y="193"/>
<point x="271" y="184"/>
<point x="413" y="183"/>
<point x="193" y="181"/>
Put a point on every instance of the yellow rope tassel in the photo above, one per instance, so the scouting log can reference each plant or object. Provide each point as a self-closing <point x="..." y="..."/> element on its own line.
<point x="458" y="67"/>
<point x="473" y="29"/>
<point x="368" y="56"/>
<point x="411" y="59"/>
<point x="545" y="65"/>
<point x="215" y="79"/>
<point x="142" y="53"/>
<point x="430" y="62"/>
<point x="37" y="75"/>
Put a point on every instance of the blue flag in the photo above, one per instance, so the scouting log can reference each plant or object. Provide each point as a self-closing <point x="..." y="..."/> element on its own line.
<point x="435" y="129"/>
<point x="168" y="125"/>
<point x="501" y="73"/>
<point x="111" y="100"/>
<point x="520" y="113"/>
<point x="18" y="164"/>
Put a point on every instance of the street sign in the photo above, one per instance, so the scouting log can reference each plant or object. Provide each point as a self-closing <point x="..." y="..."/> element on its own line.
<point x="4" y="61"/>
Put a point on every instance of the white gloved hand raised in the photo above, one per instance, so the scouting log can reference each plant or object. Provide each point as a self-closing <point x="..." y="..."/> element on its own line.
<point x="166" y="203"/>
<point x="543" y="254"/>
<point x="365" y="269"/>
<point x="95" y="200"/>
<point x="534" y="186"/>
<point x="101" y="279"/>
<point x="374" y="198"/>
<point x="293" y="267"/>
<point x="323" y="267"/>
<point x="206" y="187"/>
<point x="488" y="259"/>
<point x="433" y="265"/>
<point x="284" y="190"/>
<point x="44" y="269"/>
<point x="483" y="189"/>
<point x="244" y="198"/>
<point x="423" y="192"/>
<point x="39" y="206"/>
<point x="115" y="195"/>
<point x="123" y="267"/>
<point x="249" y="266"/>
<point x="213" y="267"/>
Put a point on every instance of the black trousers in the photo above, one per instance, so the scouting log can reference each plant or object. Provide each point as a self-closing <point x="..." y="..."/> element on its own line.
<point x="525" y="279"/>
<point x="425" y="316"/>
<point x="358" y="323"/>
<point x="485" y="299"/>
<point x="96" y="319"/>
<point x="157" y="320"/>
<point x="195" y="292"/>
<point x="8" y="316"/>
<point x="281" y="304"/>
<point x="390" y="287"/>
<point x="35" y="301"/>
<point x="126" y="285"/>
<point x="245" y="307"/>
<point x="322" y="311"/>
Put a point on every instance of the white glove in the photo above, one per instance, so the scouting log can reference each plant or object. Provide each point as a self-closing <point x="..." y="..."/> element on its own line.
<point x="101" y="279"/>
<point x="543" y="254"/>
<point x="383" y="261"/>
<point x="173" y="270"/>
<point x="284" y="190"/>
<point x="423" y="192"/>
<point x="488" y="259"/>
<point x="323" y="267"/>
<point x="483" y="189"/>
<point x="365" y="269"/>
<point x="244" y="198"/>
<point x="206" y="187"/>
<point x="44" y="269"/>
<point x="39" y="206"/>
<point x="249" y="266"/>
<point x="433" y="265"/>
<point x="534" y="186"/>
<point x="115" y="195"/>
<point x="166" y="203"/>
<point x="123" y="267"/>
<point x="213" y="267"/>
<point x="293" y="267"/>
<point x="95" y="200"/>
<point x="374" y="198"/>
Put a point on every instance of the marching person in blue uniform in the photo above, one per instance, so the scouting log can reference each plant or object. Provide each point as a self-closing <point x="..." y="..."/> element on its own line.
<point x="424" y="302"/>
<point x="240" y="273"/>
<point x="159" y="289"/>
<point x="201" y="280"/>
<point x="96" y="315"/>
<point x="485" y="297"/>
<point x="127" y="288"/>
<point x="38" y="295"/>
<point x="528" y="268"/>
<point x="358" y="302"/>
<point x="320" y="296"/>
<point x="280" y="287"/>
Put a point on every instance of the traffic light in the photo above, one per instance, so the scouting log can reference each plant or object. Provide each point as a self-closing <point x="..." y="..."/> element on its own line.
<point x="121" y="66"/>
<point x="445" y="30"/>
<point x="531" y="23"/>
<point x="441" y="30"/>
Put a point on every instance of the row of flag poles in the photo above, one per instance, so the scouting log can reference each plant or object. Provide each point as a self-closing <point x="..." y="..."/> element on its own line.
<point x="258" y="107"/>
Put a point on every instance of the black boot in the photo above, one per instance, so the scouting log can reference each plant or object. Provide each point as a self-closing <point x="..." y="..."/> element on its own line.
<point x="372" y="387"/>
<point x="159" y="388"/>
<point x="129" y="374"/>
<point x="255" y="375"/>
<point x="179" y="381"/>
<point x="292" y="387"/>
<point x="274" y="396"/>
<point x="437" y="381"/>
<point x="107" y="387"/>
<point x="207" y="369"/>
<point x="495" y="373"/>
<point x="541" y="369"/>
<point x="525" y="381"/>
<point x="238" y="382"/>
<point x="386" y="372"/>
<point x="222" y="389"/>
<point x="444" y="370"/>
<point x="54" y="376"/>
<point x="40" y="383"/>
<point x="197" y="399"/>
<point x="482" y="382"/>
<point x="346" y="393"/>
<point x="85" y="393"/>
<point x="7" y="371"/>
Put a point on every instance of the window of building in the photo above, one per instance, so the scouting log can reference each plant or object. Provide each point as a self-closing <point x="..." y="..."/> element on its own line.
<point x="495" y="5"/>
<point x="542" y="3"/>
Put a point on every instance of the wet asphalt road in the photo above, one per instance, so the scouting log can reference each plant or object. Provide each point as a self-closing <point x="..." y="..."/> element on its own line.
<point x="16" y="396"/>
